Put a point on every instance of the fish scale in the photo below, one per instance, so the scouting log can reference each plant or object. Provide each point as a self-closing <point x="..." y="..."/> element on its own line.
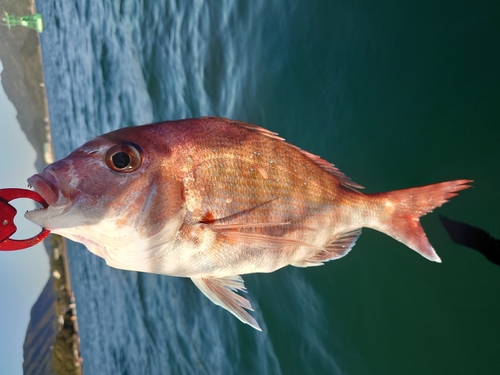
<point x="212" y="199"/>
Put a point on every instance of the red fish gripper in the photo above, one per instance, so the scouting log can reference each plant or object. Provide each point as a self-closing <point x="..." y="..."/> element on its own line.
<point x="7" y="214"/>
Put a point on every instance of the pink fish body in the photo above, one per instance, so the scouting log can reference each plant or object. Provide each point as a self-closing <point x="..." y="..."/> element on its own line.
<point x="212" y="199"/>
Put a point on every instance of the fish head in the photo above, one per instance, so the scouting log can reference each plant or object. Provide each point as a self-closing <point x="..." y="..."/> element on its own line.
<point x="115" y="189"/>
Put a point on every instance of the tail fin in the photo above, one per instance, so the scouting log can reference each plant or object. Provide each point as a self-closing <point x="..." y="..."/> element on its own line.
<point x="403" y="208"/>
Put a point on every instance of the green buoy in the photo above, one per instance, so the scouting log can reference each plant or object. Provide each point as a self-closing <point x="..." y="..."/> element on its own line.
<point x="32" y="21"/>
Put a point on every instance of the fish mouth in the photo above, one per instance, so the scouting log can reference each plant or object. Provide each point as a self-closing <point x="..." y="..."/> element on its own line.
<point x="56" y="195"/>
<point x="47" y="187"/>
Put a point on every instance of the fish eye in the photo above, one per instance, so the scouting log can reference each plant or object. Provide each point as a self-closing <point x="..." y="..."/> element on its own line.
<point x="125" y="157"/>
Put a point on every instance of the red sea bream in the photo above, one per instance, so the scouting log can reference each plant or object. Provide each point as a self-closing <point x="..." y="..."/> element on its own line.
<point x="212" y="199"/>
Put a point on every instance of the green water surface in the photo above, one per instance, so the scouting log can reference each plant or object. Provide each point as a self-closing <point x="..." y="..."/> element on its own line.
<point x="400" y="94"/>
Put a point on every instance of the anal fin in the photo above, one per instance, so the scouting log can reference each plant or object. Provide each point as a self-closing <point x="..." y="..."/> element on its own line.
<point x="334" y="250"/>
<point x="222" y="292"/>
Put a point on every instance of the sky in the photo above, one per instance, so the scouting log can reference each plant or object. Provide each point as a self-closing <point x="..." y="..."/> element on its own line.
<point x="23" y="274"/>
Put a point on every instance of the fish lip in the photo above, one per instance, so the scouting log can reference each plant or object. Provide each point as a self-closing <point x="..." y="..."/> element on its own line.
<point x="46" y="188"/>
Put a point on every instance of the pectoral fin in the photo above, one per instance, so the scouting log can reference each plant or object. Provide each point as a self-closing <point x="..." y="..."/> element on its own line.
<point x="222" y="292"/>
<point x="229" y="230"/>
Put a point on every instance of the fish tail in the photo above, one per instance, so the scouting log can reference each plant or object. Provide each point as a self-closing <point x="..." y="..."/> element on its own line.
<point x="401" y="210"/>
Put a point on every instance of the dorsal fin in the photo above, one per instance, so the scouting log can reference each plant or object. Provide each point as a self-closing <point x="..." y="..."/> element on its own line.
<point x="256" y="128"/>
<point x="330" y="168"/>
<point x="323" y="164"/>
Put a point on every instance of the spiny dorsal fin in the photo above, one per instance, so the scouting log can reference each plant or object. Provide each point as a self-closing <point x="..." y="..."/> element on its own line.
<point x="256" y="128"/>
<point x="332" y="169"/>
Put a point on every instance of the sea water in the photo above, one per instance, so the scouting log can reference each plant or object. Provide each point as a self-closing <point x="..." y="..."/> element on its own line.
<point x="396" y="94"/>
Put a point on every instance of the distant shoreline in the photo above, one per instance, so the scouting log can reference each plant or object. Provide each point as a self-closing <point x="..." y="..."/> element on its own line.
<point x="23" y="81"/>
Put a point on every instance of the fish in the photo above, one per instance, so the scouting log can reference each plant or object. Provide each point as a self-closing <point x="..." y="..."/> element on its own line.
<point x="212" y="199"/>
